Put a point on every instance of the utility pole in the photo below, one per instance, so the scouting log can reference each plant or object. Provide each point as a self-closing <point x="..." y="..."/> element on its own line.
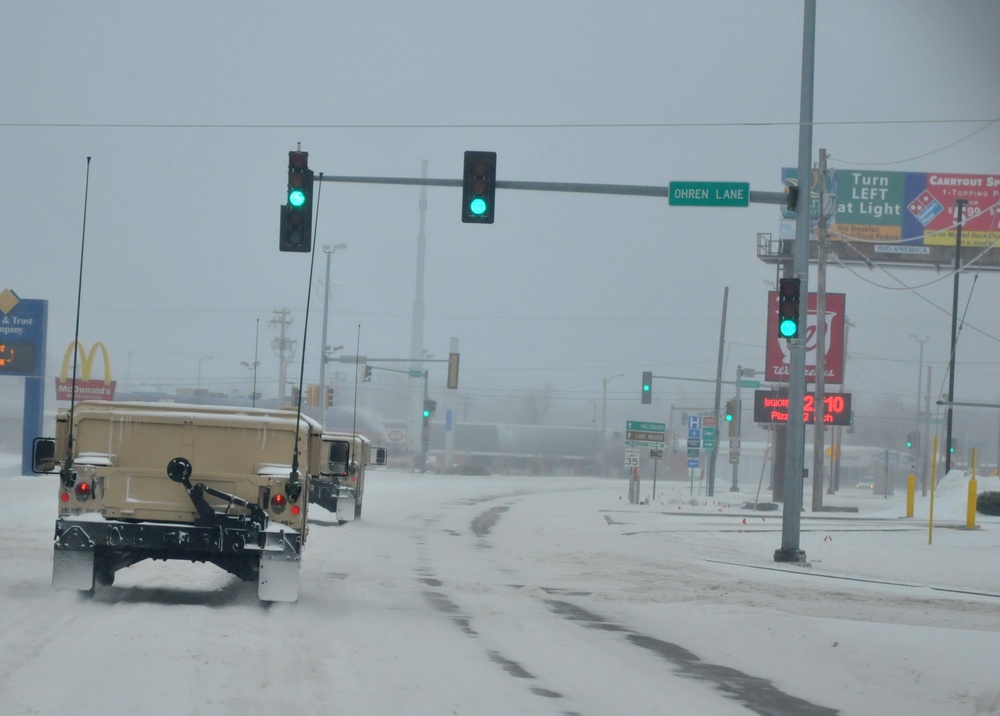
<point x="959" y="205"/>
<point x="819" y="431"/>
<point x="417" y="326"/>
<point x="324" y="357"/>
<point x="283" y="348"/>
<point x="718" y="394"/>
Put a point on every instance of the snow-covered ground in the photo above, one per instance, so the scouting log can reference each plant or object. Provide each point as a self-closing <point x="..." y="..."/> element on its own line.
<point x="515" y="595"/>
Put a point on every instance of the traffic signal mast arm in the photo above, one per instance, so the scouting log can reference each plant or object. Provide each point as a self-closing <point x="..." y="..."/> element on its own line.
<point x="756" y="197"/>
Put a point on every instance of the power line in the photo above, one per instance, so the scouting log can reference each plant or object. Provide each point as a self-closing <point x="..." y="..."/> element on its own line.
<point x="525" y="125"/>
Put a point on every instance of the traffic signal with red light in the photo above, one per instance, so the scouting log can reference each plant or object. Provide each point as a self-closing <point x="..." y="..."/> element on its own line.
<point x="788" y="307"/>
<point x="479" y="183"/>
<point x="647" y="387"/>
<point x="296" y="213"/>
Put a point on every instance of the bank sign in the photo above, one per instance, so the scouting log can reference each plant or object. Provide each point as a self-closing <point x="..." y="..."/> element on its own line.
<point x="908" y="208"/>
<point x="22" y="335"/>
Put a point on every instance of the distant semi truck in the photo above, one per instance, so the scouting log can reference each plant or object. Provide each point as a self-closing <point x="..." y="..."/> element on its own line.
<point x="181" y="482"/>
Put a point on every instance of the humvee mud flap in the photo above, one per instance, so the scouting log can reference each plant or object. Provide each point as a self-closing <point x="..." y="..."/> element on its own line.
<point x="346" y="506"/>
<point x="278" y="579"/>
<point x="73" y="569"/>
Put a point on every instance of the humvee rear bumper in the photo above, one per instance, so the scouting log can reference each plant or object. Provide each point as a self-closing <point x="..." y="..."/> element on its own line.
<point x="89" y="549"/>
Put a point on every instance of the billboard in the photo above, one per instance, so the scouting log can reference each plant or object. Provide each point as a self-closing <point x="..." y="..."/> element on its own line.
<point x="778" y="354"/>
<point x="906" y="209"/>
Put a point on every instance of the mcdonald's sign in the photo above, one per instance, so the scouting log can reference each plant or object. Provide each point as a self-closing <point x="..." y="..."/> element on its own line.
<point x="86" y="388"/>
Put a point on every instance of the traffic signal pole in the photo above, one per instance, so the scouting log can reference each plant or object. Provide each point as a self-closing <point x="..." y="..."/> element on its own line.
<point x="791" y="522"/>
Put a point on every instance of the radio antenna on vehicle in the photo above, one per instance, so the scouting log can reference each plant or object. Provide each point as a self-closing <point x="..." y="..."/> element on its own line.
<point x="293" y="478"/>
<point x="66" y="473"/>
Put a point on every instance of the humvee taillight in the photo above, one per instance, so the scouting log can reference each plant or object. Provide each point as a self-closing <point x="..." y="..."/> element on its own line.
<point x="296" y="510"/>
<point x="82" y="490"/>
<point x="278" y="502"/>
<point x="64" y="496"/>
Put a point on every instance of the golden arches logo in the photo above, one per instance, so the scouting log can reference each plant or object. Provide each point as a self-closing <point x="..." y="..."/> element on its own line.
<point x="86" y="360"/>
<point x="86" y="388"/>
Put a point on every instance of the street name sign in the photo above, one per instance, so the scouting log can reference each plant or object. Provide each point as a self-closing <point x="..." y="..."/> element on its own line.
<point x="640" y="433"/>
<point x="709" y="193"/>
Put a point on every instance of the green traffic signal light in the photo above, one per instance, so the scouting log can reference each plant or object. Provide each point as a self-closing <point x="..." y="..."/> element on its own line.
<point x="729" y="417"/>
<point x="427" y="413"/>
<point x="788" y="328"/>
<point x="788" y="307"/>
<point x="478" y="206"/>
<point x="296" y="197"/>
<point x="479" y="183"/>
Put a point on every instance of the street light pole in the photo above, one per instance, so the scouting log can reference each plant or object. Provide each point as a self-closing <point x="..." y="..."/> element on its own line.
<point x="604" y="423"/>
<point x="203" y="358"/>
<point x="329" y="251"/>
<point x="920" y="375"/>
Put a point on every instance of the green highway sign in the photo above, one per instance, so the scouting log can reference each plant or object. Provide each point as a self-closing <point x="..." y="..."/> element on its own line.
<point x="709" y="193"/>
<point x="749" y="383"/>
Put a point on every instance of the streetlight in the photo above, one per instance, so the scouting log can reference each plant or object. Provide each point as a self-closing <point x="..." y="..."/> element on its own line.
<point x="200" y="360"/>
<point x="252" y="366"/>
<point x="921" y="446"/>
<point x="329" y="251"/>
<point x="604" y="421"/>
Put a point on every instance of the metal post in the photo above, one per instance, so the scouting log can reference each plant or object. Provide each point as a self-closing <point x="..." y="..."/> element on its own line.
<point x="718" y="390"/>
<point x="792" y="508"/>
<point x="959" y="205"/>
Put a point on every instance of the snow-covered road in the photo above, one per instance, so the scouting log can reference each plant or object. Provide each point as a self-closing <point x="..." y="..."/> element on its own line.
<point x="514" y="595"/>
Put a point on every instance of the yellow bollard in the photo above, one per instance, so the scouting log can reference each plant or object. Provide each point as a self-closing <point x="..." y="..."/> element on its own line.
<point x="911" y="490"/>
<point x="970" y="512"/>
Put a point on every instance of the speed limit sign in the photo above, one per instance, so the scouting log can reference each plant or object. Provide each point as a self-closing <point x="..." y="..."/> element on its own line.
<point x="631" y="457"/>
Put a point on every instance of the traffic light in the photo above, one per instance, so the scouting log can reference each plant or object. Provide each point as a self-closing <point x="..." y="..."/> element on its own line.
<point x="368" y="374"/>
<point x="647" y="387"/>
<point x="329" y="397"/>
<point x="732" y="416"/>
<point x="479" y="183"/>
<point x="296" y="213"/>
<point x="429" y="407"/>
<point x="913" y="440"/>
<point x="792" y="198"/>
<point x="788" y="307"/>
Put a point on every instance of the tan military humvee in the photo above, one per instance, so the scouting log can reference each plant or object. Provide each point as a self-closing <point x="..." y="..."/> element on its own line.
<point x="181" y="482"/>
<point x="340" y="486"/>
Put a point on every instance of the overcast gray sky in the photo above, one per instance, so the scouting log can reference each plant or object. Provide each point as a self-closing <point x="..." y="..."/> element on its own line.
<point x="189" y="109"/>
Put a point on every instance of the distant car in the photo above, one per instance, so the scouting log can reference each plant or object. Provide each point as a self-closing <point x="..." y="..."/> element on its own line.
<point x="865" y="485"/>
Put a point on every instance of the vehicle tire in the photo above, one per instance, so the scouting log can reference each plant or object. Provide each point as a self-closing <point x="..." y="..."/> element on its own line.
<point x="104" y="576"/>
